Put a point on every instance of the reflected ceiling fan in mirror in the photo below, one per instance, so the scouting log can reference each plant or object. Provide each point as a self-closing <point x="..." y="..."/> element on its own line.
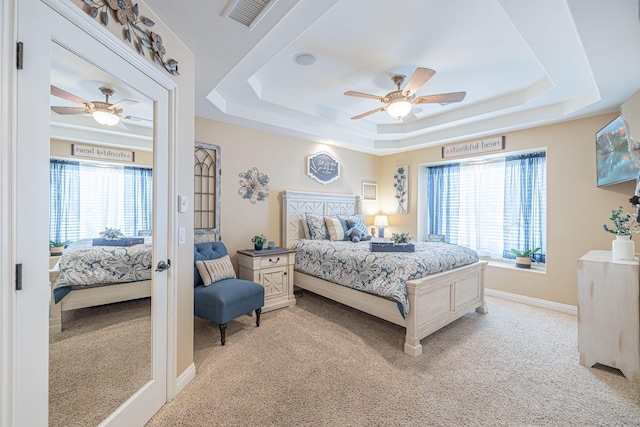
<point x="399" y="102"/>
<point x="103" y="112"/>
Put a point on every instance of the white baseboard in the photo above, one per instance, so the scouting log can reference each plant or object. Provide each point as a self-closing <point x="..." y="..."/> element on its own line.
<point x="185" y="378"/>
<point x="555" y="306"/>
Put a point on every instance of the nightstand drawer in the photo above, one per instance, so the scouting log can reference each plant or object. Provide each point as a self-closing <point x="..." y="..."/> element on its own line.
<point x="273" y="260"/>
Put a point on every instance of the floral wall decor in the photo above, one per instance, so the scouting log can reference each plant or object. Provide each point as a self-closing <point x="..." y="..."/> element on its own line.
<point x="253" y="185"/>
<point x="128" y="15"/>
<point x="401" y="184"/>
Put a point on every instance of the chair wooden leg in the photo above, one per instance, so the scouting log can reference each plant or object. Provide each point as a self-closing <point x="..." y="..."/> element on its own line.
<point x="223" y="333"/>
<point x="258" y="311"/>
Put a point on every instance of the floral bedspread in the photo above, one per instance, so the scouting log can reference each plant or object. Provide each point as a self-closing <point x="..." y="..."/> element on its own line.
<point x="380" y="273"/>
<point x="84" y="266"/>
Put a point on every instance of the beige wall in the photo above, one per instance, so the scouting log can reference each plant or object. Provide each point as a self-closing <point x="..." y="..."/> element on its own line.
<point x="283" y="159"/>
<point x="576" y="207"/>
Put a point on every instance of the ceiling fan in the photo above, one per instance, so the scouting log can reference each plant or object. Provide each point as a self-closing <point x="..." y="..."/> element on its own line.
<point x="399" y="102"/>
<point x="103" y="112"/>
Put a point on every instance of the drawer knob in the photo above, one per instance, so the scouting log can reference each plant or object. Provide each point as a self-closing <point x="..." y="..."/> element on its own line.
<point x="274" y="262"/>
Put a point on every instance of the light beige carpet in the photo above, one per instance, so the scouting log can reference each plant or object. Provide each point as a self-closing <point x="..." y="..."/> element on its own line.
<point x="323" y="364"/>
<point x="101" y="357"/>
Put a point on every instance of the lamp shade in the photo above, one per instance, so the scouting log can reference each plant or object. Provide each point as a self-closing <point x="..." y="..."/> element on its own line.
<point x="398" y="109"/>
<point x="381" y="221"/>
<point x="105" y="118"/>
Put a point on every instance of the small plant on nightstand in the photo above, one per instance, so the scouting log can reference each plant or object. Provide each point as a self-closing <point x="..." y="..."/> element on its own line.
<point x="258" y="241"/>
<point x="56" y="248"/>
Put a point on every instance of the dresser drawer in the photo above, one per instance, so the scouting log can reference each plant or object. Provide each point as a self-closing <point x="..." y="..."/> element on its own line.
<point x="273" y="260"/>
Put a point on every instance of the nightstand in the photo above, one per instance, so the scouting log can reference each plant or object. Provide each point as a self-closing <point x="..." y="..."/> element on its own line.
<point x="273" y="269"/>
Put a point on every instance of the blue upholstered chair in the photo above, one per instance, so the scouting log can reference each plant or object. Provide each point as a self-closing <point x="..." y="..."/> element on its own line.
<point x="226" y="299"/>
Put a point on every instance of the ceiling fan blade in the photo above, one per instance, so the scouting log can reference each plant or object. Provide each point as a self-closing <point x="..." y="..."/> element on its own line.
<point x="369" y="113"/>
<point x="419" y="78"/>
<point x="70" y="110"/>
<point x="123" y="103"/>
<point x="121" y="125"/>
<point x="409" y="117"/>
<point x="366" y="95"/>
<point x="56" y="91"/>
<point x="443" y="98"/>
<point x="135" y="119"/>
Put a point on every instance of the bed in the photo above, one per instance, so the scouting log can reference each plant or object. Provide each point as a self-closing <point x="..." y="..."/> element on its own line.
<point x="87" y="276"/>
<point x="433" y="301"/>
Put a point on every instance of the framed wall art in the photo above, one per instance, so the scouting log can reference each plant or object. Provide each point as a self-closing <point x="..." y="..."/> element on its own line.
<point x="369" y="191"/>
<point x="323" y="167"/>
<point x="401" y="188"/>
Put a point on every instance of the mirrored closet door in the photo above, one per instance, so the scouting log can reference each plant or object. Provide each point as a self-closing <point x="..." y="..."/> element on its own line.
<point x="79" y="181"/>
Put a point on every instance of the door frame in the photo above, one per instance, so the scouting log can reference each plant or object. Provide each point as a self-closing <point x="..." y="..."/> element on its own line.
<point x="8" y="185"/>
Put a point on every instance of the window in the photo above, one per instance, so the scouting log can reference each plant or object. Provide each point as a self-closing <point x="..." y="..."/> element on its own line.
<point x="491" y="206"/>
<point x="85" y="198"/>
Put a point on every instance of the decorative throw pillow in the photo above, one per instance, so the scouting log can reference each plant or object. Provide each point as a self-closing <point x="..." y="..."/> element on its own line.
<point x="359" y="220"/>
<point x="305" y="228"/>
<point x="212" y="270"/>
<point x="317" y="227"/>
<point x="336" y="228"/>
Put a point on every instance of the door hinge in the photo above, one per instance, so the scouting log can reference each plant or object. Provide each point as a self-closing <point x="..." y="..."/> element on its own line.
<point x="18" y="277"/>
<point x="19" y="52"/>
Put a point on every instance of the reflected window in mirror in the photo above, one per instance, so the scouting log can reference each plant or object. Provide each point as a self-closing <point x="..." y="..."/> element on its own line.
<point x="206" y="200"/>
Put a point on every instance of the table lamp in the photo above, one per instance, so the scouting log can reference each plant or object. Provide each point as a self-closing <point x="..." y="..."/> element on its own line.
<point x="381" y="222"/>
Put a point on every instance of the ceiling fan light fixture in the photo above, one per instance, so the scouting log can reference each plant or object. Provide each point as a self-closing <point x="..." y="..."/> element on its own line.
<point x="398" y="109"/>
<point x="105" y="118"/>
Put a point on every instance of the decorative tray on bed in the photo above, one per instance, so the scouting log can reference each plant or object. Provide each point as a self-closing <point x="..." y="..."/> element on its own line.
<point x="390" y="247"/>
<point x="123" y="241"/>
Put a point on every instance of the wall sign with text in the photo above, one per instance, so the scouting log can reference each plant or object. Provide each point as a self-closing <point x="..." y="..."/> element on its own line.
<point x="475" y="147"/>
<point x="102" y="153"/>
<point x="323" y="167"/>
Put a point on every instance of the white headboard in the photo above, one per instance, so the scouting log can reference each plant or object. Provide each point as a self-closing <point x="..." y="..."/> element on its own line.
<point x="295" y="204"/>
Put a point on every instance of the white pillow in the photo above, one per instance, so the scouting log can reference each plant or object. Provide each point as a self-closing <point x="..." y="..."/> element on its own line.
<point x="212" y="270"/>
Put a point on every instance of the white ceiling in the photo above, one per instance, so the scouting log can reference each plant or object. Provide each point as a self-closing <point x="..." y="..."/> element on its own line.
<point x="82" y="79"/>
<point x="522" y="64"/>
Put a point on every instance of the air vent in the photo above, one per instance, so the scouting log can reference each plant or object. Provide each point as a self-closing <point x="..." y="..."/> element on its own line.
<point x="247" y="12"/>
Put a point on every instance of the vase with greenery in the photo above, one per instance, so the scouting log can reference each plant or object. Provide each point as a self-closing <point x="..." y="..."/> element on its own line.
<point x="258" y="241"/>
<point x="111" y="233"/>
<point x="624" y="224"/>
<point x="524" y="258"/>
<point x="400" y="238"/>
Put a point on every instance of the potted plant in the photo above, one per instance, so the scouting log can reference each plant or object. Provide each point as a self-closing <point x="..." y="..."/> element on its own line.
<point x="258" y="241"/>
<point x="111" y="233"/>
<point x="400" y="238"/>
<point x="523" y="258"/>
<point x="56" y="248"/>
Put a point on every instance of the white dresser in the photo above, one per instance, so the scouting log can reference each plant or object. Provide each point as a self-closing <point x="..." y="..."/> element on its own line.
<point x="609" y="313"/>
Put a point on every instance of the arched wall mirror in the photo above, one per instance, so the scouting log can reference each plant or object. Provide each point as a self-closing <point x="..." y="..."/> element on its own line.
<point x="206" y="189"/>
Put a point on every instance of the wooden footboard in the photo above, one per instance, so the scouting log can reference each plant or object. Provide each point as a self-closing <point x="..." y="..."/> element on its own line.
<point x="91" y="297"/>
<point x="435" y="300"/>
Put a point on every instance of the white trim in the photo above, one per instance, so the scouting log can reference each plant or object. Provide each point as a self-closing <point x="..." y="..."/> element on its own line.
<point x="8" y="37"/>
<point x="172" y="279"/>
<point x="185" y="378"/>
<point x="550" y="305"/>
